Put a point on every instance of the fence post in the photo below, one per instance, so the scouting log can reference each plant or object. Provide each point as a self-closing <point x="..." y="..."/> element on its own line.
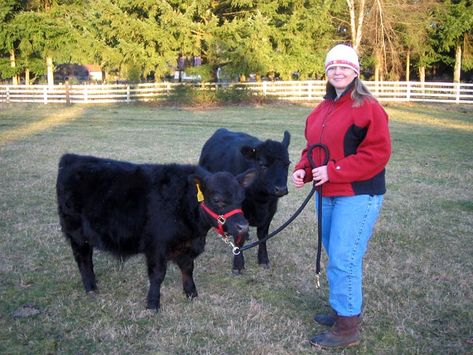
<point x="457" y="94"/>
<point x="128" y="94"/>
<point x="45" y="94"/>
<point x="408" y="93"/>
<point x="68" y="94"/>
<point x="86" y="94"/>
<point x="8" y="94"/>
<point x="265" y="84"/>
<point x="309" y="90"/>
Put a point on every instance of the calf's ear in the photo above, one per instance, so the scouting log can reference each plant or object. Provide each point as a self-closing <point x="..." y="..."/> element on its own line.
<point x="248" y="152"/>
<point x="199" y="176"/>
<point x="247" y="178"/>
<point x="287" y="139"/>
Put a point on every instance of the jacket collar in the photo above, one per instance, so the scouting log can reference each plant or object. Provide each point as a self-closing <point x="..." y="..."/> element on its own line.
<point x="332" y="94"/>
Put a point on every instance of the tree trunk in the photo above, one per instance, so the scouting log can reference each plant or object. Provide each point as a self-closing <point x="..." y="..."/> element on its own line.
<point x="49" y="64"/>
<point x="359" y="29"/>
<point x="408" y="65"/>
<point x="13" y="65"/>
<point x="27" y="76"/>
<point x="376" y="72"/>
<point x="356" y="22"/>
<point x="379" y="75"/>
<point x="458" y="64"/>
<point x="351" y="10"/>
<point x="422" y="74"/>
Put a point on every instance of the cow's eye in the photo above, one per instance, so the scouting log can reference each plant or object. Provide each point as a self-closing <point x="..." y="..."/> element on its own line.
<point x="218" y="201"/>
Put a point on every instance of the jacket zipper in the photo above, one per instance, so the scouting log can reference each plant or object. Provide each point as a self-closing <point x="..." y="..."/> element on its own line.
<point x="325" y="119"/>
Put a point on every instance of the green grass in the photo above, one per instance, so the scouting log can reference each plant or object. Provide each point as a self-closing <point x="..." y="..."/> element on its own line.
<point x="418" y="269"/>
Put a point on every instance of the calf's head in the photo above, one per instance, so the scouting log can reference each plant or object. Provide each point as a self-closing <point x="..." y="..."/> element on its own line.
<point x="271" y="159"/>
<point x="222" y="195"/>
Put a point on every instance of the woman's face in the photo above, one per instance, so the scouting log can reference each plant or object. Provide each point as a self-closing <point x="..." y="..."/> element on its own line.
<point x="340" y="77"/>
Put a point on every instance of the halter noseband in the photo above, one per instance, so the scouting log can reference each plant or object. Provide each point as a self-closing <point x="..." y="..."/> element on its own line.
<point x="220" y="218"/>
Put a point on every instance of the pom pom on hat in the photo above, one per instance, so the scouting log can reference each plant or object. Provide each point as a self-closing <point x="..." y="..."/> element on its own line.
<point x="343" y="56"/>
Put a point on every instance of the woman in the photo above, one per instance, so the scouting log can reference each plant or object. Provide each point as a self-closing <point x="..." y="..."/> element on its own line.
<point x="354" y="126"/>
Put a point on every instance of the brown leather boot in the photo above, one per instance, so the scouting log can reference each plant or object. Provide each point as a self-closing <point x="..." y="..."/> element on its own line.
<point x="345" y="333"/>
<point x="327" y="319"/>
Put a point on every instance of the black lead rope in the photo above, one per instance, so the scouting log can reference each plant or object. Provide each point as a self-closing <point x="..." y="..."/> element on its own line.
<point x="319" y="205"/>
<point x="299" y="210"/>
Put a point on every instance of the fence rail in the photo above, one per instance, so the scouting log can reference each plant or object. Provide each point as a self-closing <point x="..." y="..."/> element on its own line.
<point x="313" y="90"/>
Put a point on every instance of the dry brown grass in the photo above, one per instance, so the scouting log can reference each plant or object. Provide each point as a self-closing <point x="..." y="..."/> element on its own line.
<point x="418" y="268"/>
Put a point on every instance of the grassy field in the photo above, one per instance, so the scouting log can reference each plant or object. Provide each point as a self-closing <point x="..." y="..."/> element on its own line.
<point x="418" y="269"/>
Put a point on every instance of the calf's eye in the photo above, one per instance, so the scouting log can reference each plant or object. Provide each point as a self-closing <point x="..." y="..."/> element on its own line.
<point x="217" y="201"/>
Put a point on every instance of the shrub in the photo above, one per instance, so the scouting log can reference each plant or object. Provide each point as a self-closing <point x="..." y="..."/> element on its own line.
<point x="189" y="95"/>
<point x="236" y="94"/>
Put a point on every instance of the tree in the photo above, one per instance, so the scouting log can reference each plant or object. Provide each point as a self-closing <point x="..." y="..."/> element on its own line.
<point x="144" y="38"/>
<point x="273" y="37"/>
<point x="8" y="38"/>
<point x="302" y="33"/>
<point x="189" y="27"/>
<point x="453" y="31"/>
<point x="43" y="33"/>
<point x="356" y="10"/>
<point x="413" y="28"/>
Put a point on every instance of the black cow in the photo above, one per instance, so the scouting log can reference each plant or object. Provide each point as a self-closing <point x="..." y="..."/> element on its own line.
<point x="127" y="209"/>
<point x="235" y="152"/>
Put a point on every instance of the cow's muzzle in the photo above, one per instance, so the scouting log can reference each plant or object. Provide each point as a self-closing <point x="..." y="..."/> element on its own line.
<point x="280" y="191"/>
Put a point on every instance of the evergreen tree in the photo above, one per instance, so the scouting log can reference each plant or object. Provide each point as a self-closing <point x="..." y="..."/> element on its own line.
<point x="139" y="39"/>
<point x="9" y="38"/>
<point x="453" y="32"/>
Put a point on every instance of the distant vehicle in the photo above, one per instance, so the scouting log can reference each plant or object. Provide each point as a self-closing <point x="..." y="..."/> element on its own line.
<point x="184" y="77"/>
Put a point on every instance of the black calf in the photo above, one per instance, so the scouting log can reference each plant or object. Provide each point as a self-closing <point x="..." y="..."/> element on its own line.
<point x="127" y="209"/>
<point x="235" y="152"/>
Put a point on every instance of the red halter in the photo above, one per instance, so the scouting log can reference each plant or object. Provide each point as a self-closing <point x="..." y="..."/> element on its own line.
<point x="221" y="218"/>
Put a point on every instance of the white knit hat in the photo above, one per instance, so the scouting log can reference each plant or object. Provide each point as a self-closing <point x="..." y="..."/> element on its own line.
<point x="343" y="56"/>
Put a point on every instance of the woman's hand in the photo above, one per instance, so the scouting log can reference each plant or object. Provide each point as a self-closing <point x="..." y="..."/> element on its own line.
<point x="320" y="175"/>
<point x="298" y="178"/>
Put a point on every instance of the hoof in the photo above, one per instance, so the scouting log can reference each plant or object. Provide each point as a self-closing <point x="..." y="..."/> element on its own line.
<point x="92" y="293"/>
<point x="191" y="295"/>
<point x="152" y="307"/>
<point x="237" y="272"/>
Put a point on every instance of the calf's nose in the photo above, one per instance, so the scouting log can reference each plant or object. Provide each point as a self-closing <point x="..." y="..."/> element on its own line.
<point x="280" y="190"/>
<point x="242" y="228"/>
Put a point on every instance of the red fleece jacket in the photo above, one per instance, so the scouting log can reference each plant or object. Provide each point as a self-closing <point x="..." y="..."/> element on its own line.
<point x="359" y="143"/>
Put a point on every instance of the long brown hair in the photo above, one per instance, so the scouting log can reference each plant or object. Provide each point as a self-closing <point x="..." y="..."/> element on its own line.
<point x="359" y="93"/>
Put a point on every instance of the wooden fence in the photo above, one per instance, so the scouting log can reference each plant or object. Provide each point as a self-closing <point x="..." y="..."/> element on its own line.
<point x="313" y="90"/>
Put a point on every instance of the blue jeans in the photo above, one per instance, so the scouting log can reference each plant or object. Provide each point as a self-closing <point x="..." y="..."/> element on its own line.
<point x="347" y="225"/>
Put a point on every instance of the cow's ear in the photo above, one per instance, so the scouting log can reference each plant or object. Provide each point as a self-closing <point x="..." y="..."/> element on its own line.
<point x="248" y="152"/>
<point x="247" y="178"/>
<point x="287" y="139"/>
<point x="199" y="177"/>
<point x="196" y="181"/>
